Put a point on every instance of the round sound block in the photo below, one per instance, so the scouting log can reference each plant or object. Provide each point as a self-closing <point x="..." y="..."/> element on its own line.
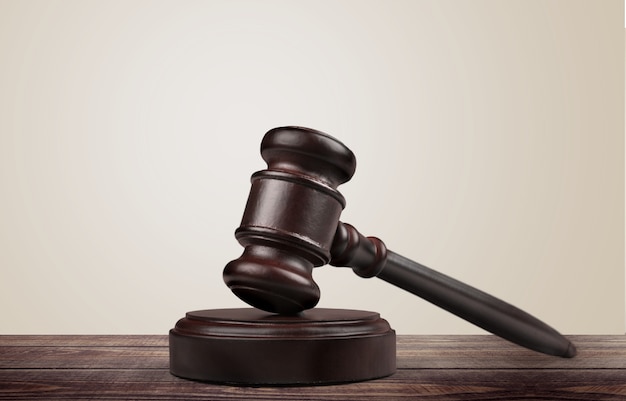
<point x="252" y="347"/>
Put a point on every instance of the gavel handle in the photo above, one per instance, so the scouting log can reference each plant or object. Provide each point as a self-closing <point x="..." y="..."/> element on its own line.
<point x="368" y="257"/>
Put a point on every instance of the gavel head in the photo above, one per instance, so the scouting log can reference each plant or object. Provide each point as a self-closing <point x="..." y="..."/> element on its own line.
<point x="290" y="219"/>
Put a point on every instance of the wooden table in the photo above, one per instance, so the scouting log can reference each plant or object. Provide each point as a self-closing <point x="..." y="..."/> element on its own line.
<point x="429" y="368"/>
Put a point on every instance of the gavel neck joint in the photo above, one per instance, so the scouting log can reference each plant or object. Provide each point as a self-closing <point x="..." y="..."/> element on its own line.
<point x="367" y="256"/>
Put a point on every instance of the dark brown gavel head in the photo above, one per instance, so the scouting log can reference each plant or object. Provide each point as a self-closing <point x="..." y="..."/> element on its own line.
<point x="290" y="219"/>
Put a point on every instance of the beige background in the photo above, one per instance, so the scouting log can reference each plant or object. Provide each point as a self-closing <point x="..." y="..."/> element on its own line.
<point x="489" y="136"/>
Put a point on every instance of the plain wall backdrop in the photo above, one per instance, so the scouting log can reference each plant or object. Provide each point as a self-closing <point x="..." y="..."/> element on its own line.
<point x="489" y="137"/>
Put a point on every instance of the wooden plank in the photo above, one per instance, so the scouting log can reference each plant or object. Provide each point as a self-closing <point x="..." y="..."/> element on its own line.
<point x="429" y="368"/>
<point x="84" y="357"/>
<point x="491" y="352"/>
<point x="414" y="352"/>
<point x="428" y="384"/>
<point x="84" y="340"/>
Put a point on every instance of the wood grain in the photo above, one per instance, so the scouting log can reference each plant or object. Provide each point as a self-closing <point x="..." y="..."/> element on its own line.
<point x="429" y="368"/>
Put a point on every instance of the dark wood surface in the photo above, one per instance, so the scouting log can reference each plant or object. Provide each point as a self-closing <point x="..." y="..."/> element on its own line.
<point x="291" y="224"/>
<point x="248" y="346"/>
<point x="481" y="367"/>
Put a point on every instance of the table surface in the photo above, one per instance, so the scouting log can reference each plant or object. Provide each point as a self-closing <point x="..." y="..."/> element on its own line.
<point x="481" y="367"/>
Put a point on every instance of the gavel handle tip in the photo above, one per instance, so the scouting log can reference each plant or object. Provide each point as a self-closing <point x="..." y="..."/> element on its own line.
<point x="570" y="352"/>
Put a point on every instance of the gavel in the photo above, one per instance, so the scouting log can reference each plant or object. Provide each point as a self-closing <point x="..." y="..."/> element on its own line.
<point x="291" y="224"/>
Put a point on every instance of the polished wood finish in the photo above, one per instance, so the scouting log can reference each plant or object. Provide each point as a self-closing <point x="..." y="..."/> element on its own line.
<point x="290" y="219"/>
<point x="291" y="225"/>
<point x="369" y="257"/>
<point x="252" y="347"/>
<point x="429" y="368"/>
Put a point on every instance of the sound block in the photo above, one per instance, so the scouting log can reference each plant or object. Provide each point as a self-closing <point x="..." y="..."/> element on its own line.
<point x="251" y="347"/>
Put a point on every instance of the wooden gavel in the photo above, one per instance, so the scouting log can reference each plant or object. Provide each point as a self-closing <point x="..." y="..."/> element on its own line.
<point x="291" y="225"/>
